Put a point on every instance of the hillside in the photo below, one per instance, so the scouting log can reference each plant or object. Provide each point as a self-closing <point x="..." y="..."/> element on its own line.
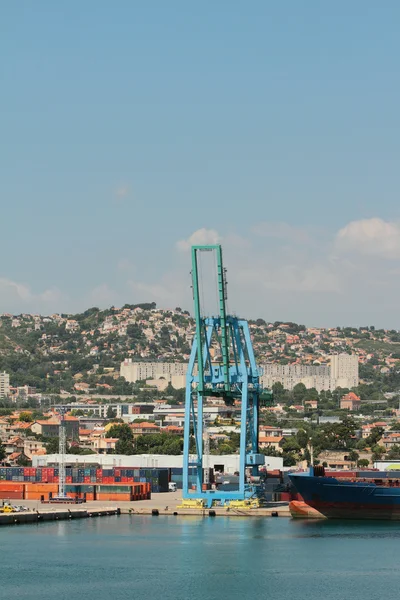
<point x="53" y="352"/>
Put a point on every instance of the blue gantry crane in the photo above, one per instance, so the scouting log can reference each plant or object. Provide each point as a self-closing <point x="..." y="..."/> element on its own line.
<point x="222" y="364"/>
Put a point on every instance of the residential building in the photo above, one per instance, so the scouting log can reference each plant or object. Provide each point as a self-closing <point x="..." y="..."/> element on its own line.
<point x="141" y="371"/>
<point x="267" y="441"/>
<point x="104" y="445"/>
<point x="367" y="429"/>
<point x="51" y="428"/>
<point x="4" y="385"/>
<point x="25" y="390"/>
<point x="313" y="404"/>
<point x="32" y="447"/>
<point x="144" y="428"/>
<point x="342" y="372"/>
<point x="390" y="439"/>
<point x="350" y="402"/>
<point x="14" y="444"/>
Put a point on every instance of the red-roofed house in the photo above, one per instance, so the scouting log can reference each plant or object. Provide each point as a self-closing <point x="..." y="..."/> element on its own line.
<point x="350" y="402"/>
<point x="390" y="440"/>
<point x="104" y="445"/>
<point x="313" y="404"/>
<point x="144" y="428"/>
<point x="269" y="441"/>
<point x="173" y="429"/>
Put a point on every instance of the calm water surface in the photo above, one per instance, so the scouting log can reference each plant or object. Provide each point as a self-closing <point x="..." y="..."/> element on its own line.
<point x="168" y="558"/>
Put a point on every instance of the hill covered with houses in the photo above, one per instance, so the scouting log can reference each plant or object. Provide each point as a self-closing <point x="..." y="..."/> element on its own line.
<point x="53" y="353"/>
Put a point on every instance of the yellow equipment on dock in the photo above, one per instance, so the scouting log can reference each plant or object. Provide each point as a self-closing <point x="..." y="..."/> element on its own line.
<point x="7" y="509"/>
<point x="240" y="504"/>
<point x="195" y="503"/>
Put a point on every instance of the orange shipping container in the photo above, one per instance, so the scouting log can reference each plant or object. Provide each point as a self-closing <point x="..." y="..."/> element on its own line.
<point x="35" y="496"/>
<point x="43" y="488"/>
<point x="114" y="497"/>
<point x="11" y="486"/>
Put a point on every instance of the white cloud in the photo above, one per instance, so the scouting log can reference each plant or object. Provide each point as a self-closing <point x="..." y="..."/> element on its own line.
<point x="103" y="296"/>
<point x="16" y="297"/>
<point x="20" y="290"/>
<point x="173" y="289"/>
<point x="372" y="237"/>
<point x="338" y="278"/>
<point x="126" y="265"/>
<point x="51" y="295"/>
<point x="121" y="192"/>
<point x="201" y="237"/>
<point x="282" y="231"/>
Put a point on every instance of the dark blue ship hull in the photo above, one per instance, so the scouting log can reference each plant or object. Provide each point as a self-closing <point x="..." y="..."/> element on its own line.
<point x="341" y="499"/>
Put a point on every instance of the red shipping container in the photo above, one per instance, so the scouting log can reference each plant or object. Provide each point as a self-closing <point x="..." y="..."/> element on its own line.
<point x="86" y="479"/>
<point x="68" y="479"/>
<point x="4" y="495"/>
<point x="26" y="472"/>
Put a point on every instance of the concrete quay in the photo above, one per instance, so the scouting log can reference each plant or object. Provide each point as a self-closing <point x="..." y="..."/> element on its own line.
<point x="59" y="514"/>
<point x="165" y="503"/>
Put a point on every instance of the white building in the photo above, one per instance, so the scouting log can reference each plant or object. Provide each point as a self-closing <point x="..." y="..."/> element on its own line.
<point x="343" y="372"/>
<point x="4" y="385"/>
<point x="141" y="371"/>
<point x="228" y="463"/>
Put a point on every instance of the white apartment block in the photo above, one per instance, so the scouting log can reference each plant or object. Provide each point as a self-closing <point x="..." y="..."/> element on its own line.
<point x="343" y="372"/>
<point x="4" y="385"/>
<point x="141" y="371"/>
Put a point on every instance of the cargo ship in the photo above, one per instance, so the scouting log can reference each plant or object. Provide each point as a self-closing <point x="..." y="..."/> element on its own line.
<point x="362" y="495"/>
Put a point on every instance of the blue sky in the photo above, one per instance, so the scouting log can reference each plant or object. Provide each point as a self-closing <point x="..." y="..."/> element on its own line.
<point x="128" y="127"/>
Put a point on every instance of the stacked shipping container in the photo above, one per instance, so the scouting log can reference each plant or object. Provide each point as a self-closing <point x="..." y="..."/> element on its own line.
<point x="158" y="478"/>
<point x="115" y="484"/>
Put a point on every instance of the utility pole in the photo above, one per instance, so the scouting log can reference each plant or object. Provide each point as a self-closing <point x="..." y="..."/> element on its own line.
<point x="62" y="449"/>
<point x="206" y="478"/>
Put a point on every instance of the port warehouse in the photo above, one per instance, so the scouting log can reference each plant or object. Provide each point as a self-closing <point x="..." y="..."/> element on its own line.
<point x="223" y="463"/>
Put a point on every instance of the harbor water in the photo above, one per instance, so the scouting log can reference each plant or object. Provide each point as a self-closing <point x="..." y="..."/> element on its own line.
<point x="163" y="558"/>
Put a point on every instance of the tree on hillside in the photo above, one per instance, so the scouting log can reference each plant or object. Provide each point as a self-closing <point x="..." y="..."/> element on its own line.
<point x="375" y="435"/>
<point x="2" y="452"/>
<point x="361" y="444"/>
<point x="378" y="452"/>
<point x="23" y="461"/>
<point x="111" y="413"/>
<point x="121" y="431"/>
<point x="159" y="443"/>
<point x="290" y="444"/>
<point x="124" y="446"/>
<point x="278" y="391"/>
<point x="363" y="463"/>
<point x="394" y="453"/>
<point x="299" y="392"/>
<point x="353" y="456"/>
<point x="302" y="438"/>
<point x="26" y="417"/>
<point x="52" y="445"/>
